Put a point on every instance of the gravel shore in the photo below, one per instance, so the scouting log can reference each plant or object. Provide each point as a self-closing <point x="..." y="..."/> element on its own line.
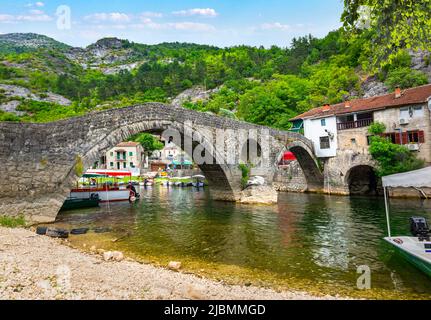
<point x="38" y="267"/>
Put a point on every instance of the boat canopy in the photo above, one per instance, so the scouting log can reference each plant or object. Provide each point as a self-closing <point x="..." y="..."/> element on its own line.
<point x="94" y="175"/>
<point x="110" y="173"/>
<point x="419" y="178"/>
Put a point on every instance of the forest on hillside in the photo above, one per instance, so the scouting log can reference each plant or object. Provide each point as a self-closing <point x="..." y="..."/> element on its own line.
<point x="265" y="86"/>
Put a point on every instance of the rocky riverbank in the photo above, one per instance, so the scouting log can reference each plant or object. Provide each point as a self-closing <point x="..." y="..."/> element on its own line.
<point x="38" y="267"/>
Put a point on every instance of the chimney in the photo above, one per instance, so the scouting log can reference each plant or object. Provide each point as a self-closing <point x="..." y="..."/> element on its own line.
<point x="326" y="108"/>
<point x="397" y="92"/>
<point x="347" y="104"/>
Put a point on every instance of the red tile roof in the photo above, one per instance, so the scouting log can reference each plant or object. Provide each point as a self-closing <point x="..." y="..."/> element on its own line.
<point x="411" y="96"/>
<point x="127" y="144"/>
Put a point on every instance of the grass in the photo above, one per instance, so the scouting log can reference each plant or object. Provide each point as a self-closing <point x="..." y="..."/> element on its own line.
<point x="12" y="222"/>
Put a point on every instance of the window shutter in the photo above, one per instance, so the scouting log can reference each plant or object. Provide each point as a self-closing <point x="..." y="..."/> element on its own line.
<point x="405" y="137"/>
<point x="397" y="138"/>
<point x="421" y="137"/>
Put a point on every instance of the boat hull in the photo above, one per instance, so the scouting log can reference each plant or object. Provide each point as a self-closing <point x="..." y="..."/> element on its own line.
<point x="72" y="204"/>
<point x="104" y="196"/>
<point x="418" y="260"/>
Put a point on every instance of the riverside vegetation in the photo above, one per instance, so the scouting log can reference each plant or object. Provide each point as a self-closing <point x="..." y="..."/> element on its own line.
<point x="255" y="84"/>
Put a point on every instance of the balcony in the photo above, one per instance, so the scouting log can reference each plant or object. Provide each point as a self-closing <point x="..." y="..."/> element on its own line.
<point x="354" y="124"/>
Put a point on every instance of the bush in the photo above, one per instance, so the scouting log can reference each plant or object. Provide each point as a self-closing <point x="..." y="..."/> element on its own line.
<point x="12" y="222"/>
<point x="405" y="78"/>
<point x="245" y="170"/>
<point x="377" y="128"/>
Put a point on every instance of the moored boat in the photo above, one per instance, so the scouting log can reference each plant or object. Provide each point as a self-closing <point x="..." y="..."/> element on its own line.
<point x="415" y="249"/>
<point x="105" y="194"/>
<point x="77" y="203"/>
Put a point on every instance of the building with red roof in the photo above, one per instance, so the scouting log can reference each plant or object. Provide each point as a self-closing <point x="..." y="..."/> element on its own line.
<point x="344" y="126"/>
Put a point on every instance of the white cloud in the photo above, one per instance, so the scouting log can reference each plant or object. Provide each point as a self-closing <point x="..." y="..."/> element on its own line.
<point x="150" y="14"/>
<point x="36" y="4"/>
<point x="276" y="26"/>
<point x="208" y="12"/>
<point x="35" y="11"/>
<point x="34" y="16"/>
<point x="115" y="17"/>
<point x="5" y="18"/>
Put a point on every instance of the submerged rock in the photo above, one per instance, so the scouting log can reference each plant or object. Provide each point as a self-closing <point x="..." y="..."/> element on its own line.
<point x="259" y="195"/>
<point x="174" y="265"/>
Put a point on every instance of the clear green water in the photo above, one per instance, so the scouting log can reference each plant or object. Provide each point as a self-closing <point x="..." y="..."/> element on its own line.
<point x="308" y="241"/>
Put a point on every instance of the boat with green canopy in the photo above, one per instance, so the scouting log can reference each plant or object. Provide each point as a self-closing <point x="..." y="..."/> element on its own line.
<point x="416" y="248"/>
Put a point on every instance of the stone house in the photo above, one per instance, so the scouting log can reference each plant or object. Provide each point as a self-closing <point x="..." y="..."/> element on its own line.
<point x="340" y="135"/>
<point x="125" y="156"/>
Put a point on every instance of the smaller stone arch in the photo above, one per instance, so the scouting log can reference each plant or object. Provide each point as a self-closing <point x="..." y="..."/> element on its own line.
<point x="362" y="180"/>
<point x="309" y="165"/>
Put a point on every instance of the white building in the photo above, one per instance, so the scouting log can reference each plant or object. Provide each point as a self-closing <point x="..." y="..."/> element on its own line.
<point x="129" y="156"/>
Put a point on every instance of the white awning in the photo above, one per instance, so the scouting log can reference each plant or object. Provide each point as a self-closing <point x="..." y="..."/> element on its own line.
<point x="419" y="179"/>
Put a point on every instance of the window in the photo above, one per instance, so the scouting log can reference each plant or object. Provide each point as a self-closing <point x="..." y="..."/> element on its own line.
<point x="353" y="141"/>
<point x="130" y="154"/>
<point x="324" y="143"/>
<point x="418" y="111"/>
<point x="404" y="113"/>
<point x="111" y="164"/>
<point x="132" y="165"/>
<point x="112" y="154"/>
<point x="323" y="122"/>
<point x="416" y="136"/>
<point x="124" y="165"/>
<point x="412" y="112"/>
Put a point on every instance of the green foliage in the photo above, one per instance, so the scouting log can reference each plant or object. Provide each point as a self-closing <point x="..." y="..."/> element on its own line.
<point x="12" y="222"/>
<point x="10" y="117"/>
<point x="148" y="142"/>
<point x="39" y="111"/>
<point x="396" y="24"/>
<point x="79" y="166"/>
<point x="392" y="158"/>
<point x="377" y="128"/>
<point x="245" y="172"/>
<point x="405" y="78"/>
<point x="275" y="102"/>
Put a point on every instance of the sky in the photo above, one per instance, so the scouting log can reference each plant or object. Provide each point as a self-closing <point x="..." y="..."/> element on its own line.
<point x="216" y="22"/>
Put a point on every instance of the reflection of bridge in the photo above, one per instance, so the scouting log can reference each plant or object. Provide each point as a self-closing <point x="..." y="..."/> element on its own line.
<point x="41" y="162"/>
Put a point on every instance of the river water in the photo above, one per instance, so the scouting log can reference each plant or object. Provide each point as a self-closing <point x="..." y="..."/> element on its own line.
<point x="306" y="242"/>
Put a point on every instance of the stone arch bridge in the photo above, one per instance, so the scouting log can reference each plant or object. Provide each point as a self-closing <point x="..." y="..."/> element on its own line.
<point x="40" y="163"/>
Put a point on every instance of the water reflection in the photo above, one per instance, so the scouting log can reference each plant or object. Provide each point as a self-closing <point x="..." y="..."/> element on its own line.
<point x="315" y="237"/>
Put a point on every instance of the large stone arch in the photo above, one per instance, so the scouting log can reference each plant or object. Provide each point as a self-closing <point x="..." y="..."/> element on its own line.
<point x="41" y="161"/>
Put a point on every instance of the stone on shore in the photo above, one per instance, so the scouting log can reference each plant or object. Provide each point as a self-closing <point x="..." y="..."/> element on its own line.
<point x="174" y="265"/>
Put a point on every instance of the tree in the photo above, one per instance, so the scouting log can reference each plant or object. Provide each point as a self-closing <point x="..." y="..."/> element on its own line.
<point x="391" y="158"/>
<point x="148" y="142"/>
<point x="397" y="23"/>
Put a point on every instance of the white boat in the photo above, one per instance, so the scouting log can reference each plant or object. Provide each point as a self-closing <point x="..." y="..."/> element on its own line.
<point x="105" y="194"/>
<point x="415" y="249"/>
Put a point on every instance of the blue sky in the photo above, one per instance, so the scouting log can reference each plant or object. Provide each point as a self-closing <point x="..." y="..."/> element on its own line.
<point x="216" y="22"/>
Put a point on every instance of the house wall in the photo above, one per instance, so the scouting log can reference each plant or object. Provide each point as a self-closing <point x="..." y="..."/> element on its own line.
<point x="391" y="118"/>
<point x="353" y="140"/>
<point x="136" y="158"/>
<point x="313" y="130"/>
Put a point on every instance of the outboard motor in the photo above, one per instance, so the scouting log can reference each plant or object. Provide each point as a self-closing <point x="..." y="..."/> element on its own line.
<point x="419" y="228"/>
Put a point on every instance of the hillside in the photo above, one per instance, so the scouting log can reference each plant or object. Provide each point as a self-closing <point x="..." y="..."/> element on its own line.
<point x="43" y="80"/>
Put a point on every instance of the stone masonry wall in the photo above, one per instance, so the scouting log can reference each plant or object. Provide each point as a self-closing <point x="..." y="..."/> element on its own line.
<point x="41" y="162"/>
